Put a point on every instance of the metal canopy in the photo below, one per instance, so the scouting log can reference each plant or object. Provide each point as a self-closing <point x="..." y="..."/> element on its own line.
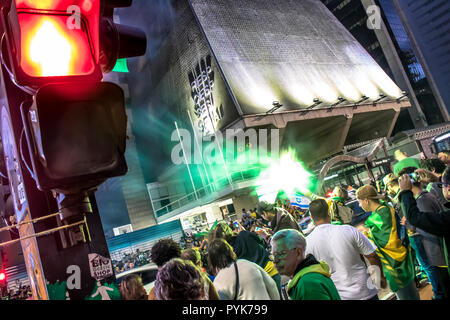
<point x="319" y="133"/>
<point x="361" y="155"/>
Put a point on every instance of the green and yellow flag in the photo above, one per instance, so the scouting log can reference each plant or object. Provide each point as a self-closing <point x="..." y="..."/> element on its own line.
<point x="397" y="261"/>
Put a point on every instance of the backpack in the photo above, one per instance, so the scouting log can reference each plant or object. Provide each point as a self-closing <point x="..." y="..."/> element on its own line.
<point x="340" y="212"/>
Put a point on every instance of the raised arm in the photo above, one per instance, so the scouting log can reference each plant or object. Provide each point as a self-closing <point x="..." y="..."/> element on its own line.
<point x="434" y="223"/>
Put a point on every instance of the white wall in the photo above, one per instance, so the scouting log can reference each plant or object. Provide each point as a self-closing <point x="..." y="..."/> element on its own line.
<point x="247" y="202"/>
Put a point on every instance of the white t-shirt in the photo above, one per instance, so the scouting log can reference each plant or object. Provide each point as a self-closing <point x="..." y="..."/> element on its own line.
<point x="340" y="246"/>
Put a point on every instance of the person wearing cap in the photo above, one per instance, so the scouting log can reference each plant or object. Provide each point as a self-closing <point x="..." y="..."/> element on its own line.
<point x="396" y="259"/>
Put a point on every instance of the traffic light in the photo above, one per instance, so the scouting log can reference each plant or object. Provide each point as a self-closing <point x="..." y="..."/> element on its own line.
<point x="52" y="41"/>
<point x="75" y="124"/>
<point x="3" y="284"/>
<point x="76" y="143"/>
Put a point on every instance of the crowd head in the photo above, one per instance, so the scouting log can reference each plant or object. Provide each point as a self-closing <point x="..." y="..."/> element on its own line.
<point x="165" y="250"/>
<point x="446" y="183"/>
<point x="220" y="255"/>
<point x="221" y="231"/>
<point x="390" y="182"/>
<point x="435" y="166"/>
<point x="180" y="279"/>
<point x="444" y="156"/>
<point x="340" y="192"/>
<point x="131" y="288"/>
<point x="288" y="250"/>
<point x="368" y="198"/>
<point x="319" y="210"/>
<point x="266" y="210"/>
<point x="192" y="255"/>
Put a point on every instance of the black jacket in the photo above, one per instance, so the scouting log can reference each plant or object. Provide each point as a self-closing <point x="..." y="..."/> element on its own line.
<point x="249" y="246"/>
<point x="434" y="223"/>
<point x="284" y="220"/>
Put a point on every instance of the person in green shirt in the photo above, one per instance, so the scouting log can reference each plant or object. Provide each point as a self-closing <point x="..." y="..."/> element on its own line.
<point x="310" y="279"/>
<point x="404" y="162"/>
<point x="396" y="259"/>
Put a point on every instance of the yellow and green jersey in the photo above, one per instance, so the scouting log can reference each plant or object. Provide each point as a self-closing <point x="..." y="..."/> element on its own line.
<point x="398" y="266"/>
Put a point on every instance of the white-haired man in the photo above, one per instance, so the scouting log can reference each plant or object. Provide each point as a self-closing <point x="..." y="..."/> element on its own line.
<point x="310" y="279"/>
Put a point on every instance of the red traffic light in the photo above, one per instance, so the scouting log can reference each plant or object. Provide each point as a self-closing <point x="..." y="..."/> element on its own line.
<point x="49" y="49"/>
<point x="53" y="41"/>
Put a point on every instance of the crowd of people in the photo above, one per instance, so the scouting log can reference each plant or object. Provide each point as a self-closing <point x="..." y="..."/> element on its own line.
<point x="132" y="260"/>
<point x="21" y="293"/>
<point x="268" y="256"/>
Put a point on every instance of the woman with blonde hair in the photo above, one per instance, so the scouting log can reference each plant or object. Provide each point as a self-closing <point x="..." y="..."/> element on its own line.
<point x="131" y="288"/>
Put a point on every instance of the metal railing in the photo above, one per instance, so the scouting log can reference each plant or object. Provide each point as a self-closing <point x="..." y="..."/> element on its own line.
<point x="43" y="233"/>
<point x="235" y="177"/>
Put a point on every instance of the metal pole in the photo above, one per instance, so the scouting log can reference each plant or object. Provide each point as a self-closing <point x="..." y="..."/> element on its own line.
<point x="369" y="172"/>
<point x="220" y="149"/>
<point x="43" y="233"/>
<point x="27" y="222"/>
<point x="185" y="159"/>
<point x="196" y="142"/>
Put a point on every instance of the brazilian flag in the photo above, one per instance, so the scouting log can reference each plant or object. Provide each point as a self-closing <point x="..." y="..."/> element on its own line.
<point x="397" y="260"/>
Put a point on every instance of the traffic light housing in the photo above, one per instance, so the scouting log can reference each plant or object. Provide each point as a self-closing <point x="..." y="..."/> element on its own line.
<point x="76" y="143"/>
<point x="118" y="41"/>
<point x="57" y="51"/>
<point x="52" y="41"/>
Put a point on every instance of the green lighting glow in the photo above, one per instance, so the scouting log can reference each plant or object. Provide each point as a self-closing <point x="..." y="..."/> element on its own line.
<point x="121" y="66"/>
<point x="287" y="174"/>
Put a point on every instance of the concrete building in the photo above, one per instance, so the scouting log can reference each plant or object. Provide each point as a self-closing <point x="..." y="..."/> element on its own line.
<point x="287" y="66"/>
<point x="125" y="200"/>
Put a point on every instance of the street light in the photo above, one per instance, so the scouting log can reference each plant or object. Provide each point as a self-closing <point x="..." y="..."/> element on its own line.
<point x="363" y="98"/>
<point x="382" y="96"/>
<point x="404" y="94"/>
<point x="316" y="103"/>
<point x="340" y="100"/>
<point x="276" y="106"/>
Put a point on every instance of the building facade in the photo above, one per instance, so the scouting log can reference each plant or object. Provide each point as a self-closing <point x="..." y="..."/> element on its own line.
<point x="212" y="66"/>
<point x="427" y="23"/>
<point x="378" y="28"/>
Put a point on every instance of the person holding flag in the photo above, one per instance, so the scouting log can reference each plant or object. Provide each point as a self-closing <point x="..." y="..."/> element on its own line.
<point x="396" y="259"/>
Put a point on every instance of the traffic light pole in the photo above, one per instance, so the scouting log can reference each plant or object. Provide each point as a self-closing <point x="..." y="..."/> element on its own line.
<point x="71" y="263"/>
<point x="73" y="127"/>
